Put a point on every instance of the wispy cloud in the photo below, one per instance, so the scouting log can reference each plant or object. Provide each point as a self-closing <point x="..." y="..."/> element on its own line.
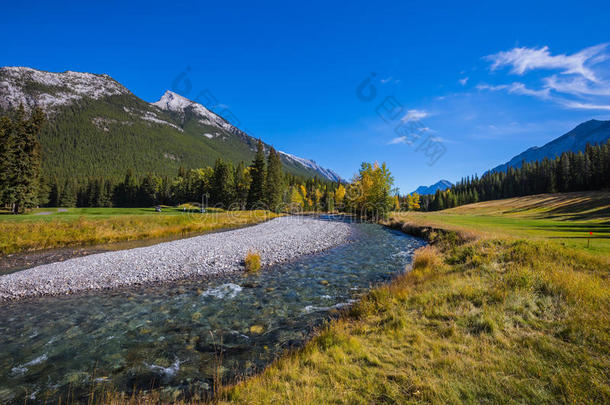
<point x="389" y="80"/>
<point x="576" y="86"/>
<point x="463" y="81"/>
<point x="517" y="88"/>
<point x="586" y="106"/>
<point x="397" y="140"/>
<point x="525" y="59"/>
<point x="581" y="82"/>
<point x="415" y="115"/>
<point x="443" y="140"/>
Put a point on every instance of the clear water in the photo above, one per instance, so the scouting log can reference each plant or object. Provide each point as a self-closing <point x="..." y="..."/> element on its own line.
<point x="170" y="336"/>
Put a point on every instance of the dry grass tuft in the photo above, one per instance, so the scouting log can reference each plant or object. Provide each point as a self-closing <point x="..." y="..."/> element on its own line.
<point x="252" y="261"/>
<point x="426" y="257"/>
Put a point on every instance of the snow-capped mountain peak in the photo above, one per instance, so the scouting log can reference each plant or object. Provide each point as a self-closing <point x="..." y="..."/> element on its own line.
<point x="174" y="102"/>
<point x="327" y="173"/>
<point x="51" y="89"/>
<point x="171" y="101"/>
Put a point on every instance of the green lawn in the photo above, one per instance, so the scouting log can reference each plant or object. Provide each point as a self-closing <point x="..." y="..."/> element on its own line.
<point x="51" y="214"/>
<point x="565" y="219"/>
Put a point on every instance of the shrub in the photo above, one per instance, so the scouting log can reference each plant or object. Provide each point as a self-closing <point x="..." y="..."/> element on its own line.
<point x="252" y="261"/>
<point x="426" y="257"/>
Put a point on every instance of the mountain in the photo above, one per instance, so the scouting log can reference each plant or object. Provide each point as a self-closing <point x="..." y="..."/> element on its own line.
<point x="97" y="127"/>
<point x="592" y="132"/>
<point x="440" y="185"/>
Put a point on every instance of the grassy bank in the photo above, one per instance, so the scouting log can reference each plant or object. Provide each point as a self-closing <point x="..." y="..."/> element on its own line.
<point x="484" y="316"/>
<point x="50" y="228"/>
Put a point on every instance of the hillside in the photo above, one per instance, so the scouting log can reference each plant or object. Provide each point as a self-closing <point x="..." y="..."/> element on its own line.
<point x="592" y="132"/>
<point x="97" y="127"/>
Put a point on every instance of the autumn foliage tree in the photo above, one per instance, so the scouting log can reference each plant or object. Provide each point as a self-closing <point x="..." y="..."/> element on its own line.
<point x="370" y="192"/>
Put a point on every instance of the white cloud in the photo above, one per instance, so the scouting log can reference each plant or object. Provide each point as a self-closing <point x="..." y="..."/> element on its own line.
<point x="463" y="81"/>
<point x="585" y="106"/>
<point x="397" y="140"/>
<point x="576" y="86"/>
<point x="389" y="80"/>
<point x="442" y="140"/>
<point x="517" y="88"/>
<point x="415" y="115"/>
<point x="524" y="59"/>
<point x="582" y="75"/>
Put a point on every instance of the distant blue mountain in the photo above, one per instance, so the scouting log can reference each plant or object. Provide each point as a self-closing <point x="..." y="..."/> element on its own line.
<point x="592" y="132"/>
<point x="440" y="185"/>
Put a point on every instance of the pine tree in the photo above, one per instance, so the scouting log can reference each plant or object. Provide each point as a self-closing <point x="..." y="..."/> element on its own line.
<point x="7" y="161"/>
<point x="256" y="193"/>
<point x="68" y="195"/>
<point x="53" y="193"/>
<point x="20" y="160"/>
<point x="222" y="184"/>
<point x="126" y="192"/>
<point x="274" y="186"/>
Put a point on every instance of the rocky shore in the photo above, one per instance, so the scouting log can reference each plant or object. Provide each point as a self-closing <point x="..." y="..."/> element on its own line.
<point x="278" y="240"/>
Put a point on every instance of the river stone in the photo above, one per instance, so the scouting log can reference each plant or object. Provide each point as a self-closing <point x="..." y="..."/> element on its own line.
<point x="215" y="254"/>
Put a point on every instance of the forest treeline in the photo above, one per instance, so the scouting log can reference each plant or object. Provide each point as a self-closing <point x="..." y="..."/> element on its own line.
<point x="262" y="184"/>
<point x="571" y="171"/>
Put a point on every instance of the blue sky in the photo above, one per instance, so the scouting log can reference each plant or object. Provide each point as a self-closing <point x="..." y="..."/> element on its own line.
<point x="484" y="81"/>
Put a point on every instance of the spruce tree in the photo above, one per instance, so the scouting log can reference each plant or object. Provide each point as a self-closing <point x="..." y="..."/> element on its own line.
<point x="274" y="186"/>
<point x="68" y="195"/>
<point x="20" y="160"/>
<point x="222" y="184"/>
<point x="6" y="157"/>
<point x="256" y="193"/>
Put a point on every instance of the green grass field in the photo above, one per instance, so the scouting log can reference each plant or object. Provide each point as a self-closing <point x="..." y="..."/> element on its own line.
<point x="69" y="214"/>
<point x="565" y="219"/>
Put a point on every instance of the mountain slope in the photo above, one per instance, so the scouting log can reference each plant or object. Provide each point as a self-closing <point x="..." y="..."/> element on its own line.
<point x="439" y="185"/>
<point x="592" y="132"/>
<point x="97" y="127"/>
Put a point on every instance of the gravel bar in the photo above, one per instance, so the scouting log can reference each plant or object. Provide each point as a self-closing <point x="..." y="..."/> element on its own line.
<point x="279" y="240"/>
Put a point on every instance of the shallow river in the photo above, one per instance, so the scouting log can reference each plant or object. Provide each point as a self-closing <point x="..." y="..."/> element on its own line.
<point x="170" y="336"/>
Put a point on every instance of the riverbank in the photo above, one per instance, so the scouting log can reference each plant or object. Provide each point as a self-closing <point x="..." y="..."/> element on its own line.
<point x="80" y="227"/>
<point x="278" y="240"/>
<point x="480" y="318"/>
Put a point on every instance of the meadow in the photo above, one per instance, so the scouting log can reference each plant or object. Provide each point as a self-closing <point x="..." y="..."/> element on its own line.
<point x="566" y="219"/>
<point x="50" y="228"/>
<point x="505" y="306"/>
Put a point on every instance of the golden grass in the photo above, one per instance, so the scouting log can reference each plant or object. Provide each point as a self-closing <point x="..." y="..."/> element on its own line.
<point x="252" y="261"/>
<point x="487" y="320"/>
<point x="45" y="234"/>
<point x="482" y="317"/>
